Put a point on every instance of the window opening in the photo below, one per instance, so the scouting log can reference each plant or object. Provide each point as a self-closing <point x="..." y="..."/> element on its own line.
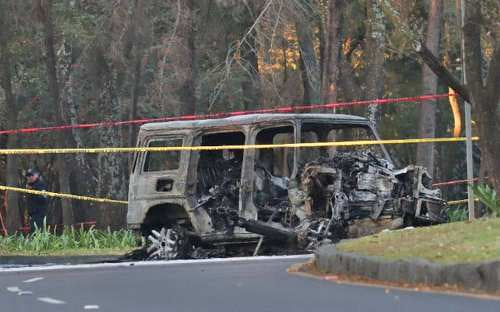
<point x="163" y="161"/>
<point x="273" y="168"/>
<point x="219" y="175"/>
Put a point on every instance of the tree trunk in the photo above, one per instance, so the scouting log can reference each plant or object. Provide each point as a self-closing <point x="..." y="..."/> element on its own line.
<point x="331" y="71"/>
<point x="186" y="57"/>
<point x="138" y="43"/>
<point x="427" y="109"/>
<point x="375" y="49"/>
<point x="111" y="180"/>
<point x="349" y="84"/>
<point x="43" y="8"/>
<point x="488" y="118"/>
<point x="132" y="130"/>
<point x="484" y="92"/>
<point x="13" y="219"/>
<point x="250" y="85"/>
<point x="69" y="69"/>
<point x="311" y="75"/>
<point x="111" y="174"/>
<point x="64" y="187"/>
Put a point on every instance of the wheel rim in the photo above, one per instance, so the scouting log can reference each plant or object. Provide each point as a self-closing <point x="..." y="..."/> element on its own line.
<point x="164" y="244"/>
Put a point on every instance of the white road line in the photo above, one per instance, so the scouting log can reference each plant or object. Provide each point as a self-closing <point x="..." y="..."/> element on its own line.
<point x="153" y="263"/>
<point x="50" y="300"/>
<point x="34" y="279"/>
<point x="91" y="307"/>
<point x="13" y="289"/>
<point x="25" y="292"/>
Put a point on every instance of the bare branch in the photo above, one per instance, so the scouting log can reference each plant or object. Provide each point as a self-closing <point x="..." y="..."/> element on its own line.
<point x="442" y="72"/>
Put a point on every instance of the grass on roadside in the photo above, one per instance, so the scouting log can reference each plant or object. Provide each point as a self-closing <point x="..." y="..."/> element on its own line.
<point x="71" y="242"/>
<point x="458" y="242"/>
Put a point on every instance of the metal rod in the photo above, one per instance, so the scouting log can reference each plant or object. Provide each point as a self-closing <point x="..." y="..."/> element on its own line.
<point x="468" y="128"/>
<point x="256" y="251"/>
<point x="470" y="168"/>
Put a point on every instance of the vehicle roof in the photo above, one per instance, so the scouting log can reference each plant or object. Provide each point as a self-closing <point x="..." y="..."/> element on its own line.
<point x="249" y="119"/>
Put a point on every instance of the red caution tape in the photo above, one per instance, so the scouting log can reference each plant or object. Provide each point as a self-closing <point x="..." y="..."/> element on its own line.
<point x="286" y="109"/>
<point x="454" y="182"/>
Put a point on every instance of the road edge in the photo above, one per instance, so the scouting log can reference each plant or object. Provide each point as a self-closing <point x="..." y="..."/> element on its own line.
<point x="470" y="276"/>
<point x="43" y="260"/>
<point x="150" y="263"/>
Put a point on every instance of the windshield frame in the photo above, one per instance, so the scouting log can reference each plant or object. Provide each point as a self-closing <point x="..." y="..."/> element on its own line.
<point x="349" y="123"/>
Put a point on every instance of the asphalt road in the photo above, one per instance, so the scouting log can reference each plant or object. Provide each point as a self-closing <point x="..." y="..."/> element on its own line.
<point x="235" y="285"/>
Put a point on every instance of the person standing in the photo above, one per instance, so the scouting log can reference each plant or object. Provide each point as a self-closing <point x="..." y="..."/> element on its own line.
<point x="37" y="204"/>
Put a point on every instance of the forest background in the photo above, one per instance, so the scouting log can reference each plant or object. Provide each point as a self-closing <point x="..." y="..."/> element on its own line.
<point x="82" y="61"/>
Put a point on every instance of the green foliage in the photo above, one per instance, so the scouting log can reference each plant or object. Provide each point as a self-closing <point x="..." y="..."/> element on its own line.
<point x="45" y="240"/>
<point x="457" y="214"/>
<point x="488" y="197"/>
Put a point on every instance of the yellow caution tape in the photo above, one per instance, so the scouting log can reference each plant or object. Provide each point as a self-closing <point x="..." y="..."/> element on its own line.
<point x="224" y="147"/>
<point x="112" y="201"/>
<point x="461" y="201"/>
<point x="60" y="195"/>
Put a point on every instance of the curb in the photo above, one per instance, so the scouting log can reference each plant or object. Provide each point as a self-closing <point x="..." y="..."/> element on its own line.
<point x="40" y="260"/>
<point x="470" y="276"/>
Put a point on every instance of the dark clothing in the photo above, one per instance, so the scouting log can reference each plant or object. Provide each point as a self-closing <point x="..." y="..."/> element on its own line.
<point x="37" y="220"/>
<point x="37" y="204"/>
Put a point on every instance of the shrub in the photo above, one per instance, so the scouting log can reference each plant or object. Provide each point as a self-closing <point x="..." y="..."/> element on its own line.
<point x="488" y="197"/>
<point x="457" y="214"/>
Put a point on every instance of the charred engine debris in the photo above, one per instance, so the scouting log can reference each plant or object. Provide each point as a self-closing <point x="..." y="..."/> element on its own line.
<point x="348" y="195"/>
<point x="219" y="186"/>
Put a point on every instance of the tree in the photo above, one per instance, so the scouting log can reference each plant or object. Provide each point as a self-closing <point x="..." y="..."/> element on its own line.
<point x="310" y="68"/>
<point x="481" y="89"/>
<point x="137" y="45"/>
<point x="333" y="48"/>
<point x="484" y="92"/>
<point x="108" y="84"/>
<point x="375" y="51"/>
<point x="11" y="109"/>
<point x="427" y="109"/>
<point x="43" y="11"/>
<point x="185" y="57"/>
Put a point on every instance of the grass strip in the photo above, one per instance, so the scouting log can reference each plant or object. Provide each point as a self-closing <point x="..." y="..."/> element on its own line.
<point x="68" y="252"/>
<point x="458" y="242"/>
<point x="70" y="242"/>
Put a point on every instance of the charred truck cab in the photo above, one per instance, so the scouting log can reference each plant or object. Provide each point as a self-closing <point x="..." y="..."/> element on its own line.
<point x="191" y="203"/>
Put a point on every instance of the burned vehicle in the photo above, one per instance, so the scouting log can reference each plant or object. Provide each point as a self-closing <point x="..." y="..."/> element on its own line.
<point x="228" y="192"/>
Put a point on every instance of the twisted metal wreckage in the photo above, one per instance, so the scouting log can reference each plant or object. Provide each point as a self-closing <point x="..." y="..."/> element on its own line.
<point x="216" y="203"/>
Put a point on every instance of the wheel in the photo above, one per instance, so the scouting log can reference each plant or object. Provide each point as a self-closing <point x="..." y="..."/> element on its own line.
<point x="168" y="244"/>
